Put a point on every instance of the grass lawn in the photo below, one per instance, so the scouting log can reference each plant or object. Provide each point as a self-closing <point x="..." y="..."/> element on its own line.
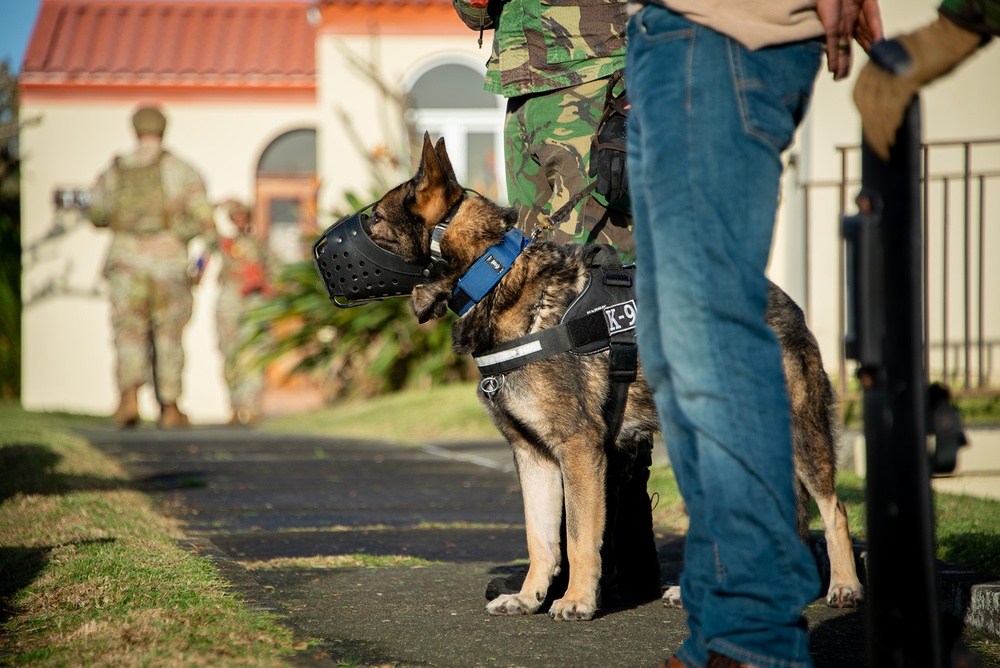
<point x="967" y="528"/>
<point x="91" y="576"/>
<point x="446" y="413"/>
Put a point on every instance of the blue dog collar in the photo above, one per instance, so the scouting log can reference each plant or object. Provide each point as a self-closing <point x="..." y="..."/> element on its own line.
<point x="487" y="272"/>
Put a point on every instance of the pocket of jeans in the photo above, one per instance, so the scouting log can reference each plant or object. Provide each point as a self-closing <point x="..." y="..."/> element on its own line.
<point x="656" y="24"/>
<point x="774" y="87"/>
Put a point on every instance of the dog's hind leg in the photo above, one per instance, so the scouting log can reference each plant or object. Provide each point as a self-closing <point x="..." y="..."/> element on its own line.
<point x="816" y="479"/>
<point x="541" y="488"/>
<point x="813" y="426"/>
<point x="845" y="589"/>
<point x="584" y="468"/>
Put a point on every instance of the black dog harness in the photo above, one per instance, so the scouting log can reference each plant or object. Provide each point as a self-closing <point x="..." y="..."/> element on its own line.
<point x="601" y="318"/>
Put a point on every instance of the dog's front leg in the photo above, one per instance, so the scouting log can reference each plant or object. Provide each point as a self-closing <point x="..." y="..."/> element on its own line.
<point x="584" y="468"/>
<point x="541" y="489"/>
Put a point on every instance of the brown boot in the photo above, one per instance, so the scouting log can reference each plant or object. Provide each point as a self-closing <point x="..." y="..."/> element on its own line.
<point x="719" y="661"/>
<point x="171" y="417"/>
<point x="127" y="414"/>
<point x="672" y="662"/>
<point x="244" y="416"/>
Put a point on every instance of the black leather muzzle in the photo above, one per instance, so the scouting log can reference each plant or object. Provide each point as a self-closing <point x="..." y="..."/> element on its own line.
<point x="355" y="270"/>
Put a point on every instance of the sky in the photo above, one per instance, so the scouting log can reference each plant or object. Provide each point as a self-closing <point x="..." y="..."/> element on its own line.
<point x="17" y="18"/>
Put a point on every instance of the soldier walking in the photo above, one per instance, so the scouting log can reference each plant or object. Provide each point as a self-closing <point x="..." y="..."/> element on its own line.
<point x="155" y="204"/>
<point x="243" y="286"/>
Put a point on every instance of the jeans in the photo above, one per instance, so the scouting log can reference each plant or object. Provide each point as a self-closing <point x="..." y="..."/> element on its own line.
<point x="708" y="124"/>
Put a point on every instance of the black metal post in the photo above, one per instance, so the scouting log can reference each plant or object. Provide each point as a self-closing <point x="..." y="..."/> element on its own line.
<point x="904" y="623"/>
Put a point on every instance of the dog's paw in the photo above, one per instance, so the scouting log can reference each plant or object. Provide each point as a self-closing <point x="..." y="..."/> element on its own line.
<point x="568" y="609"/>
<point x="843" y="595"/>
<point x="513" y="604"/>
<point x="672" y="597"/>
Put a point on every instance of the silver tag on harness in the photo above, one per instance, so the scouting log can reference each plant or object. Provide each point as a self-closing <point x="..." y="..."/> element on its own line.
<point x="621" y="316"/>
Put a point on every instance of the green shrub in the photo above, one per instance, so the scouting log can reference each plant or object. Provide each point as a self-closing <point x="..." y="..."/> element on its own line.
<point x="10" y="241"/>
<point x="361" y="351"/>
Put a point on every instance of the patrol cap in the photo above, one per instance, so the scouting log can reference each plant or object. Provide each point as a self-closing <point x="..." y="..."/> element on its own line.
<point x="149" y="121"/>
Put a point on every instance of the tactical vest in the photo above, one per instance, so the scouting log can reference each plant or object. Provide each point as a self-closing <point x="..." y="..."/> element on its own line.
<point x="139" y="202"/>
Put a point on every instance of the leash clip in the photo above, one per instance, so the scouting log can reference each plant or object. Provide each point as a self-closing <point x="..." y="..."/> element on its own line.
<point x="490" y="385"/>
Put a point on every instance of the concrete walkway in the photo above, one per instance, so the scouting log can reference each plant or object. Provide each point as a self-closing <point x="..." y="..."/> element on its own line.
<point x="978" y="469"/>
<point x="977" y="472"/>
<point x="253" y="501"/>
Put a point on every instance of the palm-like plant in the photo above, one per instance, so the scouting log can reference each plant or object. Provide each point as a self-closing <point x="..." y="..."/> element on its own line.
<point x="363" y="351"/>
<point x="368" y="350"/>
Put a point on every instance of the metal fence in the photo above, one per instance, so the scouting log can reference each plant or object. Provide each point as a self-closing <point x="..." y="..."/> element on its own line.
<point x="960" y="186"/>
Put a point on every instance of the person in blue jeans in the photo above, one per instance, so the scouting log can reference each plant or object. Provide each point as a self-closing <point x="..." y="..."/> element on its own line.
<point x="717" y="92"/>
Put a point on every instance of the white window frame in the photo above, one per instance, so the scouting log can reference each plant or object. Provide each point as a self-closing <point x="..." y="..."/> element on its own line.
<point x="456" y="124"/>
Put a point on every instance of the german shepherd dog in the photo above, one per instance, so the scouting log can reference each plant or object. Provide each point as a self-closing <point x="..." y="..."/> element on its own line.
<point x="550" y="411"/>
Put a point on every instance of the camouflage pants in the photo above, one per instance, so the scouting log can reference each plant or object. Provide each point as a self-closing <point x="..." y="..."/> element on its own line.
<point x="148" y="314"/>
<point x="547" y="140"/>
<point x="244" y="378"/>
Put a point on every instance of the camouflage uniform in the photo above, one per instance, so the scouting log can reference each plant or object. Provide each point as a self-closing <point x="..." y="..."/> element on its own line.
<point x="154" y="204"/>
<point x="242" y="288"/>
<point x="552" y="62"/>
<point x="978" y="16"/>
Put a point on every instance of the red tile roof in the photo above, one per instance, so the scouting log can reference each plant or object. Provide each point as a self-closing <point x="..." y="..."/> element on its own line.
<point x="391" y="17"/>
<point x="124" y="44"/>
<point x="386" y="3"/>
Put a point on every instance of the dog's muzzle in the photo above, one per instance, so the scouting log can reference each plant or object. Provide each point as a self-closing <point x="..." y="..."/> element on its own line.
<point x="355" y="270"/>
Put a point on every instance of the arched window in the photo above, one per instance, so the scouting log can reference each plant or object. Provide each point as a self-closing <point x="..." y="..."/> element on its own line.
<point x="448" y="100"/>
<point x="294" y="152"/>
<point x="286" y="193"/>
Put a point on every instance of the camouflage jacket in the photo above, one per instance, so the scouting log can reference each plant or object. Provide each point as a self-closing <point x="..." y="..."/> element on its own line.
<point x="981" y="16"/>
<point x="543" y="45"/>
<point x="167" y="213"/>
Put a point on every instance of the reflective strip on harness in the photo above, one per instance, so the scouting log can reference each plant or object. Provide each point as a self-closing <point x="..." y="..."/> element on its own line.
<point x="559" y="339"/>
<point x="508" y="355"/>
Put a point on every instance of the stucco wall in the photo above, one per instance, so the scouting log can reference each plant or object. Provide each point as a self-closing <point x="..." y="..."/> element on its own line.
<point x="345" y="89"/>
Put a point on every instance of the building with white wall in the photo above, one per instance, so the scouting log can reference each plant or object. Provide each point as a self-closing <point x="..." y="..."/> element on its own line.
<point x="288" y="104"/>
<point x="278" y="103"/>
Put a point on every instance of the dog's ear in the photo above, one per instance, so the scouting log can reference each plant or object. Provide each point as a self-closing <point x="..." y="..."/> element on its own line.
<point x="430" y="184"/>
<point x="442" y="154"/>
<point x="430" y="300"/>
<point x="436" y="187"/>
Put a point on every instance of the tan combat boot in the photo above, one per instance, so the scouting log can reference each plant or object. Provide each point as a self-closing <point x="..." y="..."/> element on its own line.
<point x="171" y="417"/>
<point x="244" y="416"/>
<point x="127" y="414"/>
